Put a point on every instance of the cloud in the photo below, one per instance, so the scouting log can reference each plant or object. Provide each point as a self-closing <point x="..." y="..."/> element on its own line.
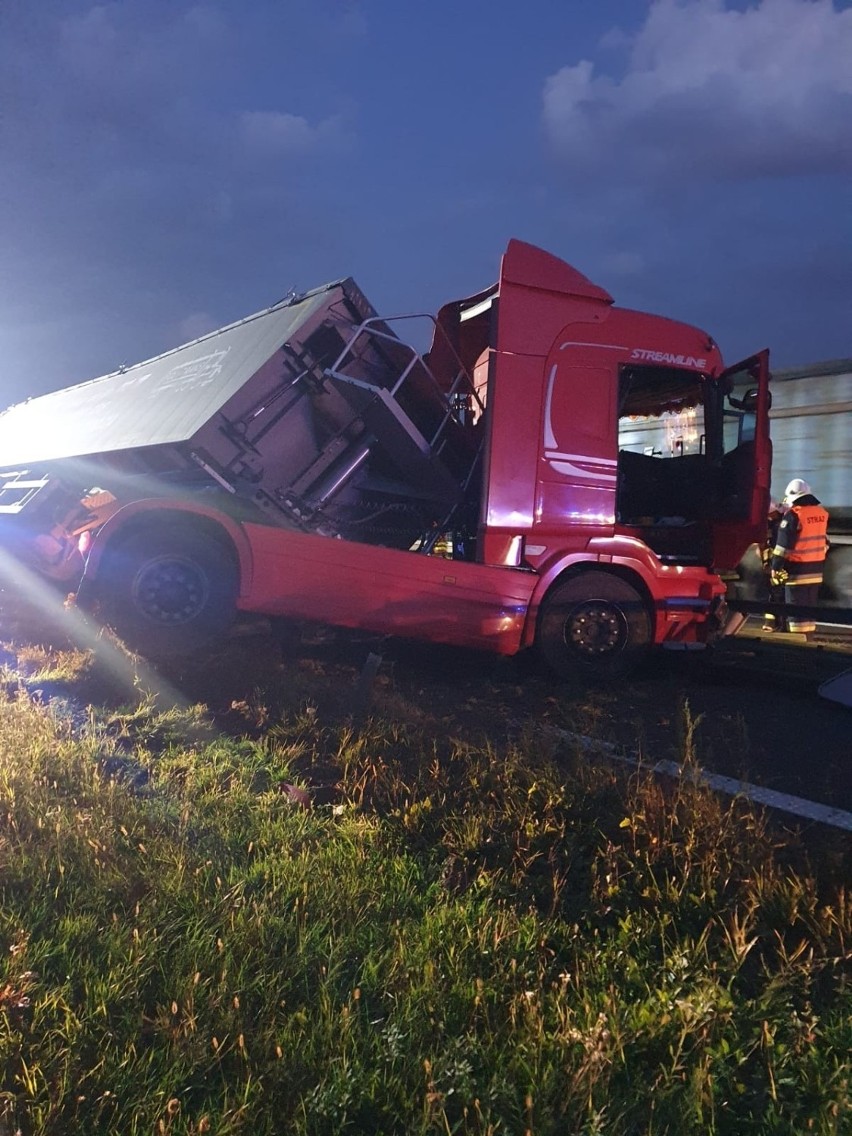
<point x="623" y="263"/>
<point x="120" y="51"/>
<point x="351" y="22"/>
<point x="151" y="151"/>
<point x="194" y="326"/>
<point x="110" y="84"/>
<point x="713" y="91"/>
<point x="137" y="88"/>
<point x="280" y="134"/>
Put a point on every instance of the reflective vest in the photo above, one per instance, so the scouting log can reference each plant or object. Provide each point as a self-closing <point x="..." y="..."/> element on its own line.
<point x="810" y="546"/>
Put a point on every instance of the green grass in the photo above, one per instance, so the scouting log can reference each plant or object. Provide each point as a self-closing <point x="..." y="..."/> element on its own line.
<point x="464" y="940"/>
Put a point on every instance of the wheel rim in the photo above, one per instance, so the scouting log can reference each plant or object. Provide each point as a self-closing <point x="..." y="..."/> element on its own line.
<point x="170" y="590"/>
<point x="596" y="628"/>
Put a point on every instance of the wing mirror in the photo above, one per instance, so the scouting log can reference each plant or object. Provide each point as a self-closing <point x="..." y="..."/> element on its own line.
<point x="748" y="402"/>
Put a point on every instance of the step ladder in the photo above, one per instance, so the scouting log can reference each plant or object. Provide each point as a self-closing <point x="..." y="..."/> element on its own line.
<point x="17" y="490"/>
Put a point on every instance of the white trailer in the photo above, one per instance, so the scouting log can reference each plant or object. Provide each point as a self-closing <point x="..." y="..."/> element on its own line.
<point x="811" y="430"/>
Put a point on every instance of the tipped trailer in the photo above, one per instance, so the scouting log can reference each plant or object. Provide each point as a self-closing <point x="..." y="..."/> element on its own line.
<point x="554" y="472"/>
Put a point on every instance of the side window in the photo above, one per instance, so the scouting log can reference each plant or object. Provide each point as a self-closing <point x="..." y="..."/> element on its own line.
<point x="661" y="412"/>
<point x="737" y="428"/>
<point x="672" y="434"/>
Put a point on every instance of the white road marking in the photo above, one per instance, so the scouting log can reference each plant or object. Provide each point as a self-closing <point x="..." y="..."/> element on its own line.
<point x="783" y="802"/>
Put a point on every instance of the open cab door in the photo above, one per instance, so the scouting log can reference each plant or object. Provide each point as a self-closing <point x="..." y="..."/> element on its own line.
<point x="694" y="460"/>
<point x="745" y="460"/>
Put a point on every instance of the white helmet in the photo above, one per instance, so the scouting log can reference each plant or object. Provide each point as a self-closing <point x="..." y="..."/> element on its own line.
<point x="796" y="488"/>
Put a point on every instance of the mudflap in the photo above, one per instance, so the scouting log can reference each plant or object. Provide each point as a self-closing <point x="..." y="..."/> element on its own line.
<point x="733" y="622"/>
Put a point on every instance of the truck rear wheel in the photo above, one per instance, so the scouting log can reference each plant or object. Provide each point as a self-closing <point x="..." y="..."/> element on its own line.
<point x="594" y="625"/>
<point x="171" y="592"/>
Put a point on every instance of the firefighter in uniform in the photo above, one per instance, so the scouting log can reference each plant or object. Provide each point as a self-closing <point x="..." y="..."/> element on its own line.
<point x="776" y="592"/>
<point x="798" y="557"/>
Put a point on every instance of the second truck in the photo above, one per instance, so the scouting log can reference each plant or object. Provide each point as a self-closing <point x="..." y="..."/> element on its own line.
<point x="554" y="472"/>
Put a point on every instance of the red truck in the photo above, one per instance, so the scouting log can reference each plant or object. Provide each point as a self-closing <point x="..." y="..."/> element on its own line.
<point x="554" y="472"/>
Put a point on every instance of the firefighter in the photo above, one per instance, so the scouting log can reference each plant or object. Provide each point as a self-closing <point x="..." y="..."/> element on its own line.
<point x="776" y="592"/>
<point x="800" y="549"/>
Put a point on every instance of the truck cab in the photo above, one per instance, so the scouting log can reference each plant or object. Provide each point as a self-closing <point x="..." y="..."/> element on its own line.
<point x="554" y="471"/>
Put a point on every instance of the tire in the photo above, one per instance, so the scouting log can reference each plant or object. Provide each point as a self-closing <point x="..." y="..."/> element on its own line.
<point x="170" y="592"/>
<point x="594" y="626"/>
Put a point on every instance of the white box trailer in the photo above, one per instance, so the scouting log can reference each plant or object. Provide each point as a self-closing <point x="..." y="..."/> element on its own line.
<point x="811" y="431"/>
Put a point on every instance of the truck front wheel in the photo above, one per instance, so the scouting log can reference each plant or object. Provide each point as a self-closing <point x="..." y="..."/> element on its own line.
<point x="169" y="593"/>
<point x="594" y="625"/>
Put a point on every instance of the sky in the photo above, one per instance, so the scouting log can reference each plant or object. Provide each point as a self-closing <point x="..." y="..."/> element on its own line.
<point x="169" y="166"/>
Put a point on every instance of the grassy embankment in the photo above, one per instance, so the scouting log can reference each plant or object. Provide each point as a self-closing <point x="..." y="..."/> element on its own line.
<point x="462" y="940"/>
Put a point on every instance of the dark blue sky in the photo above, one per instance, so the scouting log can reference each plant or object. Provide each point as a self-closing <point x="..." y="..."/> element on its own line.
<point x="167" y="167"/>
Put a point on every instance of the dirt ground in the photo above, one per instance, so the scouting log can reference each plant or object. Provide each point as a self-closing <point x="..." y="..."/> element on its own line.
<point x="760" y="716"/>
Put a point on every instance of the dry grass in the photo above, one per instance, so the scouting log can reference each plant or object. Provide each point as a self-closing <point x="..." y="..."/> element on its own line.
<point x="262" y="917"/>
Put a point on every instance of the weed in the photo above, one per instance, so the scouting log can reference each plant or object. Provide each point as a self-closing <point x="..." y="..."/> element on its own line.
<point x="473" y="939"/>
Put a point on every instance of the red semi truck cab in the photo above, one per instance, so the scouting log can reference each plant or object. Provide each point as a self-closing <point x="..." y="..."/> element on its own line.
<point x="554" y="472"/>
